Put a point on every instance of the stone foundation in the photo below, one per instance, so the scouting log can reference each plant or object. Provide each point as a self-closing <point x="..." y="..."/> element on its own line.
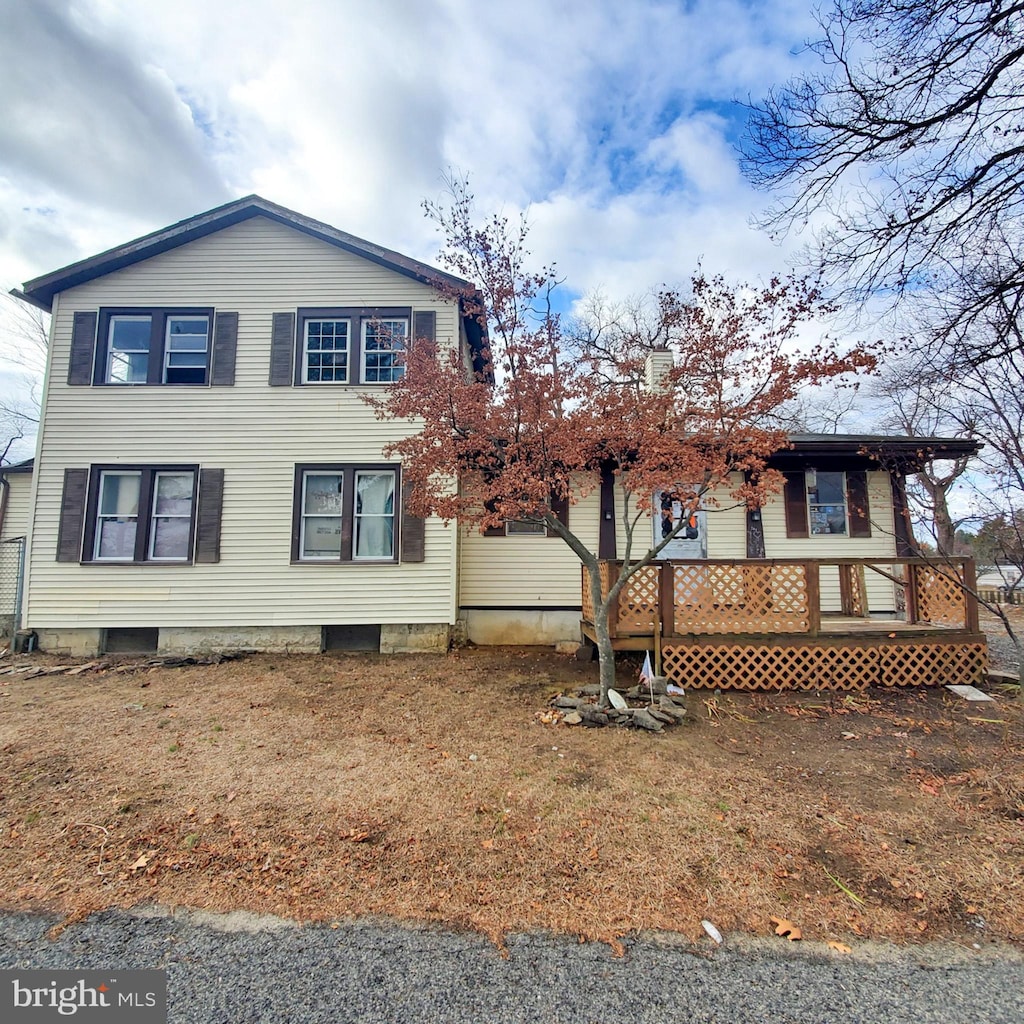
<point x="414" y="638"/>
<point x="218" y="639"/>
<point x="404" y="638"/>
<point x="79" y="642"/>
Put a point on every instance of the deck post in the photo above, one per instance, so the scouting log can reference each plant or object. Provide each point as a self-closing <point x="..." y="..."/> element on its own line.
<point x="812" y="595"/>
<point x="912" y="602"/>
<point x="970" y="577"/>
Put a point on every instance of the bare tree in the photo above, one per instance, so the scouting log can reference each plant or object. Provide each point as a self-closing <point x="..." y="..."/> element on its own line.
<point x="908" y="143"/>
<point x="24" y="338"/>
<point x="920" y="402"/>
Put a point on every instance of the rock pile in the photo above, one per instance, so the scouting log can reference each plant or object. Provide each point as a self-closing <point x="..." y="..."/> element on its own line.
<point x="639" y="712"/>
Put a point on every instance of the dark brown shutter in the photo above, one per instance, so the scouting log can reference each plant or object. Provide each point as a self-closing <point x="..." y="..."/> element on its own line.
<point x="83" y="346"/>
<point x="72" y="515"/>
<point x="857" y="503"/>
<point x="225" y="343"/>
<point x="424" y="326"/>
<point x="560" y="507"/>
<point x="413" y="533"/>
<point x="208" y="514"/>
<point x="795" y="497"/>
<point x="282" y="342"/>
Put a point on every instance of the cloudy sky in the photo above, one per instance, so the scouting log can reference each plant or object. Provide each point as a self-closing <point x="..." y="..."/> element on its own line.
<point x="612" y="123"/>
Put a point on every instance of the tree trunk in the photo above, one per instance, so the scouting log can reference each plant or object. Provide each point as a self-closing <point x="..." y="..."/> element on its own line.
<point x="605" y="653"/>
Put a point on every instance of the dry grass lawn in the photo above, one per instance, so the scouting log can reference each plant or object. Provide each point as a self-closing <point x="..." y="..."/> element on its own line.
<point x="427" y="789"/>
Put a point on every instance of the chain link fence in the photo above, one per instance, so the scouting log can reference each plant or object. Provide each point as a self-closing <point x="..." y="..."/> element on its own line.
<point x="12" y="574"/>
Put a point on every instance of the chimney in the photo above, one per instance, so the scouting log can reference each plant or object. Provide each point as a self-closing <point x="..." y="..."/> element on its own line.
<point x="658" y="363"/>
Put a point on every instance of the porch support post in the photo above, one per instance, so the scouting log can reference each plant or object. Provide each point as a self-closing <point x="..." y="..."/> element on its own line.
<point x="667" y="599"/>
<point x="970" y="590"/>
<point x="606" y="530"/>
<point x="812" y="595"/>
<point x="755" y="530"/>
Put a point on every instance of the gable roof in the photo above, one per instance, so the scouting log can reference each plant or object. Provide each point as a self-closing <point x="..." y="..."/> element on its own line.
<point x="41" y="290"/>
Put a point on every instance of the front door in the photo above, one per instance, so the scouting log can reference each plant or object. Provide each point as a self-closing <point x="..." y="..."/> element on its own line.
<point x="691" y="542"/>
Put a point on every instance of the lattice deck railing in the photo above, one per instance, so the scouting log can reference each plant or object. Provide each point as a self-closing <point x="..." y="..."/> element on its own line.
<point x="779" y="596"/>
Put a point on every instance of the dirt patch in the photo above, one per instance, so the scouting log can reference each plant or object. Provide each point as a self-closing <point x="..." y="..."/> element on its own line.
<point x="427" y="789"/>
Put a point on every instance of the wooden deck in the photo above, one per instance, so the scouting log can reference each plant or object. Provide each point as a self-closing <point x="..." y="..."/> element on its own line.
<point x="759" y="624"/>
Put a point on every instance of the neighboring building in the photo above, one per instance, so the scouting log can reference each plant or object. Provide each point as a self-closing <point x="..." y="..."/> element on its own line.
<point x="207" y="474"/>
<point x="15" y="505"/>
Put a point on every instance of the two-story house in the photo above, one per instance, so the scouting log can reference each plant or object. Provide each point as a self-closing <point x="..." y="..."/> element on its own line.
<point x="207" y="472"/>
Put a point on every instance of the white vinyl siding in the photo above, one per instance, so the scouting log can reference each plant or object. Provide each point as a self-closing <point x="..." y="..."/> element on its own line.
<point x="524" y="571"/>
<point x="255" y="433"/>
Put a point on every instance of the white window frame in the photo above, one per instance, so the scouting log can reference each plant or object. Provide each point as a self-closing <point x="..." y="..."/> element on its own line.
<point x="100" y="516"/>
<point x="153" y="517"/>
<point x="304" y="515"/>
<point x="116" y="318"/>
<point x="347" y="321"/>
<point x="358" y="516"/>
<point x="397" y="371"/>
<point x="205" y="350"/>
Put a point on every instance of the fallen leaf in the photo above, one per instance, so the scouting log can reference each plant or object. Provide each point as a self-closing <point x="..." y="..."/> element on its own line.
<point x="141" y="862"/>
<point x="786" y="928"/>
<point x="231" y="795"/>
<point x="487" y="844"/>
<point x="839" y="947"/>
<point x="358" y="836"/>
<point x="922" y="926"/>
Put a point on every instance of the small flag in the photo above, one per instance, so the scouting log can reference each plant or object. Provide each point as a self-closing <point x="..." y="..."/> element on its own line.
<point x="647" y="672"/>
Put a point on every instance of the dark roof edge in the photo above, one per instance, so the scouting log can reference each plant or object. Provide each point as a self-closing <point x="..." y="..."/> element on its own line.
<point x="22" y="297"/>
<point x="41" y="290"/>
<point x="26" y="466"/>
<point x="908" y="454"/>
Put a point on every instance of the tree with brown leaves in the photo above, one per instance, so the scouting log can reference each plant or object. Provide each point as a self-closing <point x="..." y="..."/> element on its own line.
<point x="550" y="410"/>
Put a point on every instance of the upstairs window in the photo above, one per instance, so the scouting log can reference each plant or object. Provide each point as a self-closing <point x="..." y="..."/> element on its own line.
<point x="351" y="345"/>
<point x="325" y="352"/>
<point x="384" y="344"/>
<point x="128" y="342"/>
<point x="154" y="346"/>
<point x="186" y="349"/>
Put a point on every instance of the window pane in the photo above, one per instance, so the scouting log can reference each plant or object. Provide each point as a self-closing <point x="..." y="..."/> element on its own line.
<point x="116" y="539"/>
<point x="173" y="494"/>
<point x="129" y="333"/>
<point x="128" y="349"/>
<point x="827" y="503"/>
<point x="170" y="537"/>
<point x="119" y="494"/>
<point x="323" y="494"/>
<point x="321" y="537"/>
<point x="514" y="528"/>
<point x="375" y="515"/>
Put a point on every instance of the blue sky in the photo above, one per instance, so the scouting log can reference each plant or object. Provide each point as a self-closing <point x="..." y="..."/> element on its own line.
<point x="612" y="124"/>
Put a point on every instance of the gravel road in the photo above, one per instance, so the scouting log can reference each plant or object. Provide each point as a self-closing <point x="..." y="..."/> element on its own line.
<point x="239" y="969"/>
